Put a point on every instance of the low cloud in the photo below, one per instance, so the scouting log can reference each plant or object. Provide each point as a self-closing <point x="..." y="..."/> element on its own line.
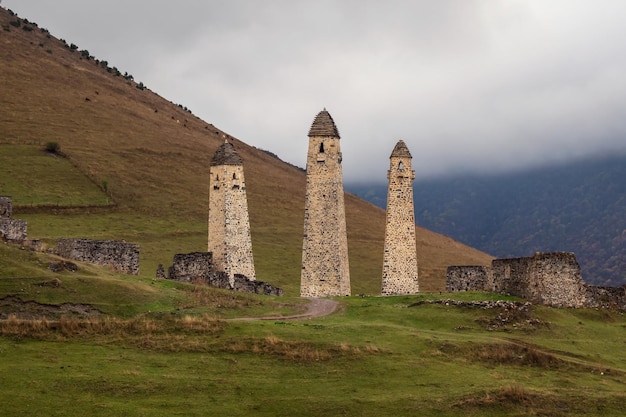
<point x="469" y="85"/>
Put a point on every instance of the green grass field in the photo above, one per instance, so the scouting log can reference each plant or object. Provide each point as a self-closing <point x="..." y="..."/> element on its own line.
<point x="156" y="347"/>
<point x="376" y="357"/>
<point x="62" y="185"/>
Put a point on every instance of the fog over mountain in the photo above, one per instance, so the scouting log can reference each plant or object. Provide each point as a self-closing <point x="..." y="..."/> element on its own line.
<point x="470" y="86"/>
<point x="573" y="207"/>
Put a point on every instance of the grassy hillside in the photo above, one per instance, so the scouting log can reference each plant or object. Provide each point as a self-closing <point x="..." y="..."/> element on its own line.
<point x="152" y="157"/>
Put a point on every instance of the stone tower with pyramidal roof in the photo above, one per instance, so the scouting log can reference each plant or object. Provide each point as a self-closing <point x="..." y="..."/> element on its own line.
<point x="400" y="259"/>
<point x="229" y="224"/>
<point x="325" y="268"/>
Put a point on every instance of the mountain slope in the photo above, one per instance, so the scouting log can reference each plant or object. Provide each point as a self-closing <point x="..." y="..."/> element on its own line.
<point x="152" y="158"/>
<point x="576" y="207"/>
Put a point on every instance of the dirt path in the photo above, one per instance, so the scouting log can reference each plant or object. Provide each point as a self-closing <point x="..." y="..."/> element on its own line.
<point x="318" y="307"/>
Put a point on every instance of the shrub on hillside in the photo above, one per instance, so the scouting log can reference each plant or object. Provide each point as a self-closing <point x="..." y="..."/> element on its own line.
<point x="53" y="147"/>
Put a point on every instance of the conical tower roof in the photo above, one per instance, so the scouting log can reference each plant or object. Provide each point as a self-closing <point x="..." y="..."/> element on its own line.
<point x="226" y="155"/>
<point x="401" y="151"/>
<point x="323" y="125"/>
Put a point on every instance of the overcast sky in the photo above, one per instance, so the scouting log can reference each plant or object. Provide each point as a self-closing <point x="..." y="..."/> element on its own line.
<point x="469" y="85"/>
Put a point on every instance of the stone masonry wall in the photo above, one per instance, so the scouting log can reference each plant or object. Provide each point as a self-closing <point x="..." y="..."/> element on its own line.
<point x="557" y="280"/>
<point x="552" y="279"/>
<point x="10" y="229"/>
<point x="122" y="256"/>
<point x="13" y="230"/>
<point x="545" y="278"/>
<point x="325" y="268"/>
<point x="6" y="207"/>
<point x="198" y="267"/>
<point x="229" y="225"/>
<point x="607" y="297"/>
<point x="190" y="267"/>
<point x="400" y="253"/>
<point x="467" y="278"/>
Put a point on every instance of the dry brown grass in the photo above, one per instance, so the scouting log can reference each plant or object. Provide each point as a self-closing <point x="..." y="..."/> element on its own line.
<point x="509" y="394"/>
<point x="515" y="399"/>
<point x="110" y="327"/>
<point x="513" y="354"/>
<point x="201" y="296"/>
<point x="297" y="351"/>
<point x="509" y="354"/>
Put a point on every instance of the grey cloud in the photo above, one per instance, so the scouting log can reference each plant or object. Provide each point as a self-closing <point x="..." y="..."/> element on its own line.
<point x="469" y="85"/>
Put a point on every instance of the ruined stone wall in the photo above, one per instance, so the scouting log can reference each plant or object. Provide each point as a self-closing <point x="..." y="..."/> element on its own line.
<point x="243" y="284"/>
<point x="120" y="255"/>
<point x="6" y="207"/>
<point x="199" y="268"/>
<point x="546" y="278"/>
<point x="11" y="229"/>
<point x="613" y="298"/>
<point x="229" y="225"/>
<point x="512" y="276"/>
<point x="556" y="280"/>
<point x="467" y="278"/>
<point x="189" y="267"/>
<point x="400" y="253"/>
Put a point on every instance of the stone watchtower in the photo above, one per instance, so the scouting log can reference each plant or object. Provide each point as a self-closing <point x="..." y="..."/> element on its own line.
<point x="325" y="269"/>
<point x="229" y="225"/>
<point x="400" y="260"/>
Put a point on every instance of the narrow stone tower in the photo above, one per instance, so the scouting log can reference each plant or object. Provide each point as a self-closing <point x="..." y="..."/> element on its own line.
<point x="400" y="260"/>
<point x="229" y="225"/>
<point x="325" y="269"/>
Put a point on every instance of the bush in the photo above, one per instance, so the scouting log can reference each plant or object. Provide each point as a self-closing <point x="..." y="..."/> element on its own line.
<point x="53" y="147"/>
<point x="15" y="23"/>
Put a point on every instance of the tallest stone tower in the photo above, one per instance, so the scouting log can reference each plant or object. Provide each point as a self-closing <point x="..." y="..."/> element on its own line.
<point x="325" y="269"/>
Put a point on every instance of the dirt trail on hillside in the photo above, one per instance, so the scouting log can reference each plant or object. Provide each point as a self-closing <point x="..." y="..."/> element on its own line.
<point x="318" y="307"/>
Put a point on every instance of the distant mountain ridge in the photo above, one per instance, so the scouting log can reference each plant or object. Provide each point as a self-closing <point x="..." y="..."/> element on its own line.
<point x="577" y="207"/>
